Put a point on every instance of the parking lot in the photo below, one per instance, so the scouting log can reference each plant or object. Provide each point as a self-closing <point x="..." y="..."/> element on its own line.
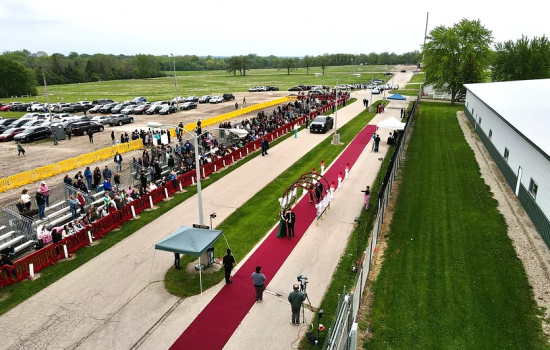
<point x="42" y="153"/>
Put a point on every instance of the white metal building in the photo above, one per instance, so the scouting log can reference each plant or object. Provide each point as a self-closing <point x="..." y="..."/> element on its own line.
<point x="513" y="121"/>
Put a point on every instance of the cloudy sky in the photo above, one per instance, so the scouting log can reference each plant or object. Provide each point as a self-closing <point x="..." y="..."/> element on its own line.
<point x="225" y="28"/>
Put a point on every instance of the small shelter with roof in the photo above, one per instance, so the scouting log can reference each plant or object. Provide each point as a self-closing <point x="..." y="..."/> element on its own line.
<point x="191" y="241"/>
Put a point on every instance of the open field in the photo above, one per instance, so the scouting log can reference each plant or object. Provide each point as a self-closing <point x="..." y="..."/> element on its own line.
<point x="199" y="83"/>
<point x="417" y="78"/>
<point x="451" y="278"/>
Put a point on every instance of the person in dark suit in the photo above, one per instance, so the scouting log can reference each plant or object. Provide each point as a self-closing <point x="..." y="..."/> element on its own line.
<point x="265" y="146"/>
<point x="290" y="218"/>
<point x="228" y="263"/>
<point x="319" y="191"/>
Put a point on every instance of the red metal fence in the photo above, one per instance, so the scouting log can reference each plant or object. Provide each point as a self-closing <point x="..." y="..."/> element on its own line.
<point x="52" y="253"/>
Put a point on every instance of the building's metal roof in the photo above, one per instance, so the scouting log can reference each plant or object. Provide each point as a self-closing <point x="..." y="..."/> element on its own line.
<point x="522" y="104"/>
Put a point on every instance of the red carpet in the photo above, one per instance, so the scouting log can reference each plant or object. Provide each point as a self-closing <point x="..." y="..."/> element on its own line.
<point x="213" y="327"/>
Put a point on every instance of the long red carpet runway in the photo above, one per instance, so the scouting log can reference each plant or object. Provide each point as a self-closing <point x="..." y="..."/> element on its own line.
<point x="213" y="327"/>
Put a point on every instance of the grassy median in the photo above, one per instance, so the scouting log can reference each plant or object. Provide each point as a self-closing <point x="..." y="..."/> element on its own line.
<point x="450" y="277"/>
<point x="260" y="213"/>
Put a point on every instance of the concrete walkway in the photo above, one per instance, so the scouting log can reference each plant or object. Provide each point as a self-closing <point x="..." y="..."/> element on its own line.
<point x="118" y="297"/>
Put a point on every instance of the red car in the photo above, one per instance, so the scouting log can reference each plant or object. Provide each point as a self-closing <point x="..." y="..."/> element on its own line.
<point x="141" y="109"/>
<point x="5" y="108"/>
<point x="10" y="133"/>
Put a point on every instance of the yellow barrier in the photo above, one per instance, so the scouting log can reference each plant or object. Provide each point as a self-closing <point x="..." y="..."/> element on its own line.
<point x="44" y="172"/>
<point x="21" y="179"/>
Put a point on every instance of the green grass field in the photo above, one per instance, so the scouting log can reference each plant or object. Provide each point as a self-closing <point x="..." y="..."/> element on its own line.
<point x="450" y="277"/>
<point x="260" y="213"/>
<point x="200" y="83"/>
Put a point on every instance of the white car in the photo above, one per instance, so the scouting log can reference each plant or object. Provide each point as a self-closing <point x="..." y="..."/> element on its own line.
<point x="29" y="116"/>
<point x="65" y="121"/>
<point x="376" y="91"/>
<point x="128" y="109"/>
<point x="101" y="119"/>
<point x="37" y="107"/>
<point x="216" y="99"/>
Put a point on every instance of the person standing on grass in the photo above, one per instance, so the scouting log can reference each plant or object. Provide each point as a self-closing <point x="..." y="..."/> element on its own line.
<point x="258" y="279"/>
<point x="177" y="261"/>
<point x="91" y="136"/>
<point x="228" y="263"/>
<point x="20" y="149"/>
<point x="367" y="197"/>
<point x="296" y="298"/>
<point x="45" y="190"/>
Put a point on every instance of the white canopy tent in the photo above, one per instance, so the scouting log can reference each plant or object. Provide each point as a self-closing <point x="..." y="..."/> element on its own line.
<point x="391" y="123"/>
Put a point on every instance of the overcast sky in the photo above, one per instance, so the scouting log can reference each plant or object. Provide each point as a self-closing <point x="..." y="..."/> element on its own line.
<point x="236" y="27"/>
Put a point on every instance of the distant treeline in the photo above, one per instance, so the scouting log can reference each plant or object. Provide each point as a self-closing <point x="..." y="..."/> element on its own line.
<point x="81" y="68"/>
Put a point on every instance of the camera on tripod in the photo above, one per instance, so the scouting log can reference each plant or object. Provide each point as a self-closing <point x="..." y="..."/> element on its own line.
<point x="303" y="282"/>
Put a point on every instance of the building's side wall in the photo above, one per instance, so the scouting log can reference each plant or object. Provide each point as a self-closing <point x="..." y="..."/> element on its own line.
<point x="521" y="153"/>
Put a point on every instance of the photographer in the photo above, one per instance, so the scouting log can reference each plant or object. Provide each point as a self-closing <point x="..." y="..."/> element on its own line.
<point x="296" y="298"/>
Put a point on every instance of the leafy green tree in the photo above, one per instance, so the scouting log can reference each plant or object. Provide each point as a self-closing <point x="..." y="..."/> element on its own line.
<point x="15" y="79"/>
<point x="457" y="55"/>
<point x="522" y="60"/>
<point x="233" y="65"/>
<point x="288" y="64"/>
<point x="143" y="65"/>
<point x="323" y="62"/>
<point x="307" y="62"/>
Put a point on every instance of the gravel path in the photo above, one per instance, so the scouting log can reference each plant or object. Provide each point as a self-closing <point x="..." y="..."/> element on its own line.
<point x="529" y="245"/>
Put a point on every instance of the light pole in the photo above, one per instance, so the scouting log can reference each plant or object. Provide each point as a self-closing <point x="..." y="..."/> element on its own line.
<point x="393" y="76"/>
<point x="336" y="136"/>
<point x="176" y="83"/>
<point x="47" y="96"/>
<point x="385" y="75"/>
<point x="372" y="81"/>
<point x="238" y="132"/>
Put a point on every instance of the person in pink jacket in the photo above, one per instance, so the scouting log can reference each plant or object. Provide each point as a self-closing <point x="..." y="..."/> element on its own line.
<point x="45" y="190"/>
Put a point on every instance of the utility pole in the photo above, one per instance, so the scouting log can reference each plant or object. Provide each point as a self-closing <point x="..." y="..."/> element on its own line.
<point x="176" y="84"/>
<point x="47" y="96"/>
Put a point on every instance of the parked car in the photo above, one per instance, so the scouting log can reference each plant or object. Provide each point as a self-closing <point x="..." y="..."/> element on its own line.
<point x="228" y="97"/>
<point x="9" y="134"/>
<point x="140" y="99"/>
<point x="65" y="121"/>
<point x="118" y="108"/>
<point x="73" y="108"/>
<point x="95" y="109"/>
<point x="205" y="99"/>
<point x="20" y="123"/>
<point x="188" y="105"/>
<point x="5" y="108"/>
<point x="61" y="107"/>
<point x="33" y="133"/>
<point x="167" y="109"/>
<point x="216" y="99"/>
<point x="128" y="109"/>
<point x="180" y="99"/>
<point x="119" y="119"/>
<point x="101" y="119"/>
<point x="295" y="88"/>
<point x="141" y="109"/>
<point x="321" y="124"/>
<point x="102" y="102"/>
<point x="38" y="107"/>
<point x="192" y="99"/>
<point x="29" y="116"/>
<point x="376" y="91"/>
<point x="84" y="128"/>
<point x="154" y="109"/>
<point x="107" y="108"/>
<point x="272" y="88"/>
<point x="8" y="121"/>
<point x="403" y="71"/>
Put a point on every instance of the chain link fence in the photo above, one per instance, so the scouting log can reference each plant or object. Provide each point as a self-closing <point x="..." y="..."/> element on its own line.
<point x="342" y="334"/>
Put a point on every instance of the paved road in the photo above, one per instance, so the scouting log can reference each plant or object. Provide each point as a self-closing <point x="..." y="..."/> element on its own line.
<point x="117" y="300"/>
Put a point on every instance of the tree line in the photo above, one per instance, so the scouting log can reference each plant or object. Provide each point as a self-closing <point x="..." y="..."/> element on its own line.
<point x="465" y="53"/>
